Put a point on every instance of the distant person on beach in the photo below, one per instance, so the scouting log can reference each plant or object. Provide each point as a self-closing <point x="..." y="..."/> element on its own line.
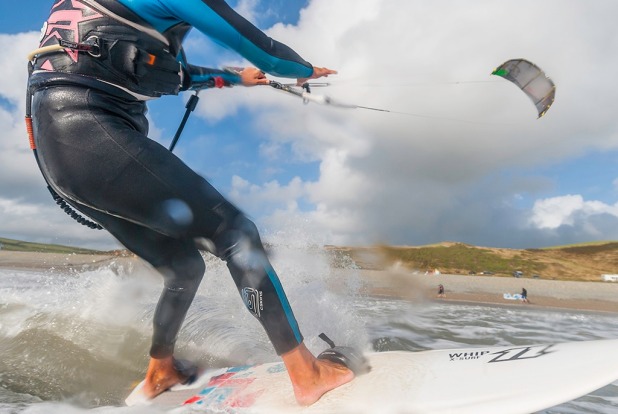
<point x="524" y="295"/>
<point x="441" y="293"/>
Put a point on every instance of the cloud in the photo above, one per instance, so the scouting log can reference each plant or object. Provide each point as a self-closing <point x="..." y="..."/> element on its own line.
<point x="19" y="175"/>
<point x="421" y="177"/>
<point x="13" y="61"/>
<point x="247" y="8"/>
<point x="569" y="210"/>
<point x="271" y="194"/>
<point x="27" y="211"/>
<point x="44" y="222"/>
<point x="460" y="164"/>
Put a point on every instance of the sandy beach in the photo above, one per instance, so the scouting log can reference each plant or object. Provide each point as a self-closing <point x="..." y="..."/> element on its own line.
<point x="398" y="283"/>
<point x="33" y="260"/>
<point x="474" y="289"/>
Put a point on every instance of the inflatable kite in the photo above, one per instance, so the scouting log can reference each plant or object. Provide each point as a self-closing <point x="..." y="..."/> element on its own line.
<point x="530" y="79"/>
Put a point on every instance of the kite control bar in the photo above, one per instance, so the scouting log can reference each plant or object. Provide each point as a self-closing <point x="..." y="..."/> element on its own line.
<point x="304" y="92"/>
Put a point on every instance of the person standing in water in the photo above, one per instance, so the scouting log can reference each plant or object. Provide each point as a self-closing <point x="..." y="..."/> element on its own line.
<point x="98" y="63"/>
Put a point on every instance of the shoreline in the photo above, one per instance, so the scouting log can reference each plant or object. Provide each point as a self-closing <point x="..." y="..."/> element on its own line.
<point x="490" y="290"/>
<point x="396" y="283"/>
<point x="58" y="261"/>
<point x="540" y="303"/>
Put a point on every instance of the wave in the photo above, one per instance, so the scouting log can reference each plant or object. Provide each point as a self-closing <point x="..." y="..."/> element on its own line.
<point x="84" y="336"/>
<point x="76" y="342"/>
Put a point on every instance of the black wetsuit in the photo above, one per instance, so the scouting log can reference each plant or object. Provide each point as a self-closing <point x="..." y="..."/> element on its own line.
<point x="91" y="140"/>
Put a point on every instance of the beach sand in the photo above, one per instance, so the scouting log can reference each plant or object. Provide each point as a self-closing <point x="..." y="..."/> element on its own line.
<point x="474" y="289"/>
<point x="68" y="261"/>
<point x="396" y="283"/>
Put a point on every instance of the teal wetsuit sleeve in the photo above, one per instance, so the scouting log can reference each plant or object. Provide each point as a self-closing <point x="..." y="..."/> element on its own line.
<point x="198" y="77"/>
<point x="217" y="20"/>
<point x="202" y="78"/>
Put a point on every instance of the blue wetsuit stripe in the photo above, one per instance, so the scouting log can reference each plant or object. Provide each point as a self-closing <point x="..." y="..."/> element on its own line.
<point x="219" y="21"/>
<point x="284" y="303"/>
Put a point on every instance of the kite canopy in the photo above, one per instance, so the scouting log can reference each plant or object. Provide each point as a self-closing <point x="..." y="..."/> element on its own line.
<point x="531" y="79"/>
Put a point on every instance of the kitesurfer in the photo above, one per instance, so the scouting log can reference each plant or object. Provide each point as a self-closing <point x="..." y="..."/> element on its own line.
<point x="98" y="63"/>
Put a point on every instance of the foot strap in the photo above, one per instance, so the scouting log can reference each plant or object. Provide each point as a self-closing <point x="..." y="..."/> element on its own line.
<point x="187" y="369"/>
<point x="349" y="357"/>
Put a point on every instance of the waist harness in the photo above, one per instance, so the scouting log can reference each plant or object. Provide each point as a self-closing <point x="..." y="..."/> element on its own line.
<point x="106" y="41"/>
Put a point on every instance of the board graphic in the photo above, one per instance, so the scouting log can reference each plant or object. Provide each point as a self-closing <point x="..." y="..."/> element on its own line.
<point x="485" y="380"/>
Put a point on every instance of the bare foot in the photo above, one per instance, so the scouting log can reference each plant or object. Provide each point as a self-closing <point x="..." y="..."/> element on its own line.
<point x="161" y="376"/>
<point x="311" y="377"/>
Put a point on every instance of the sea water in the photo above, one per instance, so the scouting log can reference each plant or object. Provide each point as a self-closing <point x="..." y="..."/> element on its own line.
<point x="76" y="341"/>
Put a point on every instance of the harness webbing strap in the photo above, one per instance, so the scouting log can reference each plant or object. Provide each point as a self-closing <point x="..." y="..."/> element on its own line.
<point x="30" y="131"/>
<point x="107" y="47"/>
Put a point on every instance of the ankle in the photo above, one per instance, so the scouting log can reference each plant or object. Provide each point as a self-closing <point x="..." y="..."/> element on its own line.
<point x="299" y="362"/>
<point x="160" y="376"/>
<point x="311" y="377"/>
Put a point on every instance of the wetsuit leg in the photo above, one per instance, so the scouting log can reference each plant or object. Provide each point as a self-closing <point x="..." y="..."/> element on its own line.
<point x="94" y="151"/>
<point x="179" y="262"/>
<point x="238" y="243"/>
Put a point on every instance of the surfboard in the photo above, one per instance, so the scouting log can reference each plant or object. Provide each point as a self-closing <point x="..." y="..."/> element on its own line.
<point x="478" y="380"/>
<point x="515" y="296"/>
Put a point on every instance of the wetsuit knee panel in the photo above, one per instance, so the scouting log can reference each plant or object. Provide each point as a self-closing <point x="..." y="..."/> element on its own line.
<point x="183" y="271"/>
<point x="238" y="235"/>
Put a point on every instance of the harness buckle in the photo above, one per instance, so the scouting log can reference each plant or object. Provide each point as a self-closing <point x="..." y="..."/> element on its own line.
<point x="90" y="46"/>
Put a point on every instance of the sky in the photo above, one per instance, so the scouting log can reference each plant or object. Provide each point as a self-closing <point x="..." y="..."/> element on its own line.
<point x="462" y="158"/>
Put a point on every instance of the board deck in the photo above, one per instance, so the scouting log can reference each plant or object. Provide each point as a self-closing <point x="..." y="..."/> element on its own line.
<point x="485" y="380"/>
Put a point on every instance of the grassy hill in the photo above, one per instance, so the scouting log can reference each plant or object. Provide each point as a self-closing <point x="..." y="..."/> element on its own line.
<point x="21" y="246"/>
<point x="576" y="262"/>
<point x="573" y="262"/>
